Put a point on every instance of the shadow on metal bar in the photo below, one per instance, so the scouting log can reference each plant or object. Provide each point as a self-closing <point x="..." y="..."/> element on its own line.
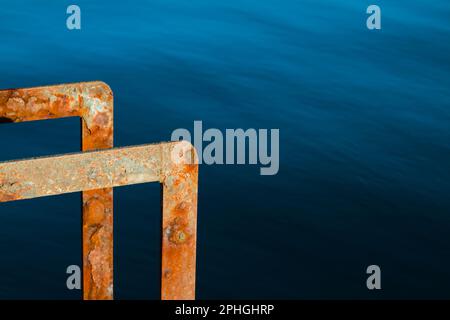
<point x="173" y="164"/>
<point x="93" y="103"/>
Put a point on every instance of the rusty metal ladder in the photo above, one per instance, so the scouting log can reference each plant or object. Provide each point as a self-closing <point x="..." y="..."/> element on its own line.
<point x="95" y="173"/>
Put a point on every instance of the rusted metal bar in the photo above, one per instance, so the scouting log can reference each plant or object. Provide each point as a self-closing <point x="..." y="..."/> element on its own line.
<point x="173" y="164"/>
<point x="93" y="103"/>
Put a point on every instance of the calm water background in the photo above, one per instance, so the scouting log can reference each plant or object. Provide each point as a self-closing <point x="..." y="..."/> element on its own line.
<point x="365" y="142"/>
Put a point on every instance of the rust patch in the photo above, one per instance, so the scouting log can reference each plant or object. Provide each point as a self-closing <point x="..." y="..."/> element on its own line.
<point x="176" y="231"/>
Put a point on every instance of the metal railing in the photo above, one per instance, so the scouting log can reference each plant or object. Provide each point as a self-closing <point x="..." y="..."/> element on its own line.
<point x="96" y="173"/>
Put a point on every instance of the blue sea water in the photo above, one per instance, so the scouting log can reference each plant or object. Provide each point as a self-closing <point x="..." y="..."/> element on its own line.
<point x="364" y="119"/>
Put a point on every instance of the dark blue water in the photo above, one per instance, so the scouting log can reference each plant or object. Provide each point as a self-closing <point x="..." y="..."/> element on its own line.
<point x="364" y="119"/>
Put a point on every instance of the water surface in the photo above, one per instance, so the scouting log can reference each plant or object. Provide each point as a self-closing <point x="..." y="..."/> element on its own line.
<point x="365" y="142"/>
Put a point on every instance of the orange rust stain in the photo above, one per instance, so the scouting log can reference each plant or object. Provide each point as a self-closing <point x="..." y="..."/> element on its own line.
<point x="98" y="244"/>
<point x="177" y="231"/>
<point x="26" y="105"/>
<point x="7" y="197"/>
<point x="95" y="210"/>
<point x="102" y="120"/>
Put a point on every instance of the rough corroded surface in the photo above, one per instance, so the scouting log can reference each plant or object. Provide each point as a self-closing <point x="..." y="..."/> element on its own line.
<point x="179" y="236"/>
<point x="173" y="164"/>
<point x="46" y="176"/>
<point x="93" y="103"/>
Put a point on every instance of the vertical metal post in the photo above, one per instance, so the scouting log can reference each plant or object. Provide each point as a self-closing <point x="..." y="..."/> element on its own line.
<point x="179" y="206"/>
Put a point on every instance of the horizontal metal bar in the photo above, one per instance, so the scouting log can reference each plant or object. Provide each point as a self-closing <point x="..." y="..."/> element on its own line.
<point x="46" y="176"/>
